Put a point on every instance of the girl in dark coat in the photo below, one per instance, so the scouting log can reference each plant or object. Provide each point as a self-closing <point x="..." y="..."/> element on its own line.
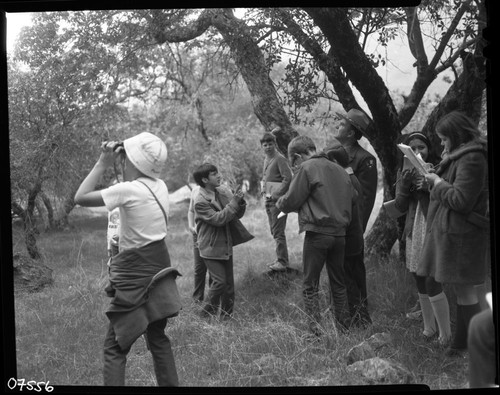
<point x="412" y="198"/>
<point x="456" y="241"/>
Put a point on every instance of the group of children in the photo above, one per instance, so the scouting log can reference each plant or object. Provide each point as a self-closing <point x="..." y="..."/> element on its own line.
<point x="323" y="189"/>
<point x="446" y="228"/>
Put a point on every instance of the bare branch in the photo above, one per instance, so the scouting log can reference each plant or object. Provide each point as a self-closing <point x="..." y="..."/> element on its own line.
<point x="446" y="37"/>
<point x="449" y="62"/>
<point x="161" y="32"/>
<point x="415" y="40"/>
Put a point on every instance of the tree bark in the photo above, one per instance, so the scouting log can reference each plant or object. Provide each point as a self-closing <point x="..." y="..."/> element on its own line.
<point x="49" y="208"/>
<point x="249" y="60"/>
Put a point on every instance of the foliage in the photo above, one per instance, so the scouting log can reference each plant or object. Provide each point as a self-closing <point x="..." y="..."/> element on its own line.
<point x="101" y="74"/>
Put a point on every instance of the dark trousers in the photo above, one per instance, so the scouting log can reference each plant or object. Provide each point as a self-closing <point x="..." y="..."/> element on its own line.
<point x="221" y="291"/>
<point x="200" y="272"/>
<point x="277" y="226"/>
<point x="158" y="343"/>
<point x="355" y="281"/>
<point x="481" y="346"/>
<point x="318" y="250"/>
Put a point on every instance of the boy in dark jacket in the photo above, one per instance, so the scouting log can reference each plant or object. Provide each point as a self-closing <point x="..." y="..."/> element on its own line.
<point x="322" y="193"/>
<point x="214" y="208"/>
<point x="354" y="265"/>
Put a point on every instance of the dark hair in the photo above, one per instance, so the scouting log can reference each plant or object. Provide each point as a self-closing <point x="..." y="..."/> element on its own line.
<point x="420" y="136"/>
<point x="357" y="132"/>
<point x="268" y="137"/>
<point x="203" y="171"/>
<point x="459" y="128"/>
<point x="338" y="154"/>
<point x="407" y="138"/>
<point x="301" y="145"/>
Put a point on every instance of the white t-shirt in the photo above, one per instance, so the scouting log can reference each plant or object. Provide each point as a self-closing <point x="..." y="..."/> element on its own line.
<point x="141" y="219"/>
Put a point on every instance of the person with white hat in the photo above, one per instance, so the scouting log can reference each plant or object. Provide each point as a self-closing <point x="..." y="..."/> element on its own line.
<point x="142" y="281"/>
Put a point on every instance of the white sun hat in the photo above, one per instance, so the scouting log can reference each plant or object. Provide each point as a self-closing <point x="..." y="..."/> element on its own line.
<point x="147" y="152"/>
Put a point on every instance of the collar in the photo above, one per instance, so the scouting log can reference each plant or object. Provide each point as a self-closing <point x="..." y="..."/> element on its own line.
<point x="471" y="146"/>
<point x="206" y="194"/>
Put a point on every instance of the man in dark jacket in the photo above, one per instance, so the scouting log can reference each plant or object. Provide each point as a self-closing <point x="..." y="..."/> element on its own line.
<point x="322" y="193"/>
<point x="364" y="166"/>
<point x="354" y="266"/>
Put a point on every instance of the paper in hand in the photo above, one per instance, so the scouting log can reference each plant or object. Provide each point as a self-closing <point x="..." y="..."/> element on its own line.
<point x="416" y="160"/>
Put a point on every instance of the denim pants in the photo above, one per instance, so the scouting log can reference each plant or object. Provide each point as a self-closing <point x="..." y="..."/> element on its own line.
<point x="200" y="272"/>
<point x="355" y="281"/>
<point x="320" y="249"/>
<point x="277" y="226"/>
<point x="158" y="343"/>
<point x="221" y="291"/>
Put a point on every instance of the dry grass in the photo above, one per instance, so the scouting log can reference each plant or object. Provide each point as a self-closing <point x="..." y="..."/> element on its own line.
<point x="60" y="330"/>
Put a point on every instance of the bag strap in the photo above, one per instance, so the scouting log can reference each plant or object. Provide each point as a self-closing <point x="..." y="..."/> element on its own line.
<point x="157" y="201"/>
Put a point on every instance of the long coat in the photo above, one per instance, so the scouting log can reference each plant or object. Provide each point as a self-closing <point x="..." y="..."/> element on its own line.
<point x="364" y="166"/>
<point x="457" y="234"/>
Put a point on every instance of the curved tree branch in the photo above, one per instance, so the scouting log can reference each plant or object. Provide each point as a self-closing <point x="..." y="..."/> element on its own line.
<point x="446" y="37"/>
<point x="326" y="62"/>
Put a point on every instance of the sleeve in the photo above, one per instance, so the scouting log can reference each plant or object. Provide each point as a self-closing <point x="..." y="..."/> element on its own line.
<point x="368" y="178"/>
<point x="114" y="195"/>
<point x="206" y="213"/>
<point x="463" y="193"/>
<point x="297" y="194"/>
<point x="286" y="173"/>
<point x="402" y="199"/>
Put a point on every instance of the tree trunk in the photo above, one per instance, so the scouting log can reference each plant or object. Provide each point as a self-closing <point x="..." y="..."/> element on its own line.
<point x="465" y="94"/>
<point x="29" y="224"/>
<point x="252" y="66"/>
<point x="68" y="205"/>
<point x="248" y="58"/>
<point x="50" y="210"/>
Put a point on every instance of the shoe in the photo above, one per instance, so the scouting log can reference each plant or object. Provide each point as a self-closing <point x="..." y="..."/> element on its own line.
<point x="416" y="307"/>
<point x="430" y="338"/>
<point x="278" y="267"/>
<point x="315" y="328"/>
<point x="440" y="343"/>
<point x="453" y="352"/>
<point x="225" y="317"/>
<point x="203" y="314"/>
<point x="414" y="315"/>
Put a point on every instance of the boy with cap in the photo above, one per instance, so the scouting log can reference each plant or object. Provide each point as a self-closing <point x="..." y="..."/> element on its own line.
<point x="142" y="283"/>
<point x="322" y="193"/>
<point x="276" y="177"/>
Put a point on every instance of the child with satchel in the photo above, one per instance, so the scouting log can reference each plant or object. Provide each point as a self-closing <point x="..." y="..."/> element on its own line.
<point x="142" y="281"/>
<point x="216" y="214"/>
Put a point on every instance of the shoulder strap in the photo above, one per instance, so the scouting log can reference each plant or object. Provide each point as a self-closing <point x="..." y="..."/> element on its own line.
<point x="157" y="201"/>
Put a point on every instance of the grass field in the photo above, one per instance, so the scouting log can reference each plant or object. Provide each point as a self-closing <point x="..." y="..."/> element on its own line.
<point x="60" y="330"/>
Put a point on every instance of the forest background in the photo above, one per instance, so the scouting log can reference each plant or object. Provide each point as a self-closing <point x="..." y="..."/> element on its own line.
<point x="211" y="81"/>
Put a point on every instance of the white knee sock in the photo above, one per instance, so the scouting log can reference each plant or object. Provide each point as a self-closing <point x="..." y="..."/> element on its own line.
<point x="441" y="310"/>
<point x="427" y="315"/>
